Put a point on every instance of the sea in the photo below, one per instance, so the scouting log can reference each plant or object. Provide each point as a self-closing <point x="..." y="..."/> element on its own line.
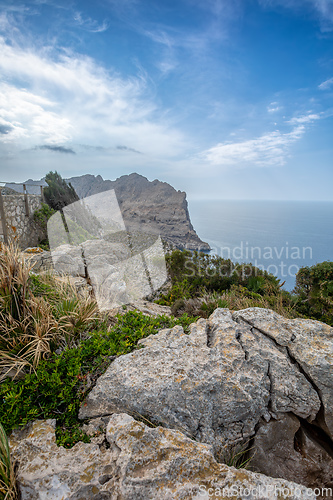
<point x="277" y="236"/>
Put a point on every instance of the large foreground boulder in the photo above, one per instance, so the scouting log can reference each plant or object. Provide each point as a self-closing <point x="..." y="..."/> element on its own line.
<point x="138" y="463"/>
<point x="242" y="377"/>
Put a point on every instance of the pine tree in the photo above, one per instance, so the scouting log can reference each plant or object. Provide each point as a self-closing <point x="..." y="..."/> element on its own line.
<point x="58" y="194"/>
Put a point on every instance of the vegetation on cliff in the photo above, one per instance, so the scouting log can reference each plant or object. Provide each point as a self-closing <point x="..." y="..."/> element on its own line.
<point x="54" y="344"/>
<point x="200" y="283"/>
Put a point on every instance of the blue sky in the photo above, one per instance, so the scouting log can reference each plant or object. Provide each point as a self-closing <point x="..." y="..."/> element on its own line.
<point x="227" y="99"/>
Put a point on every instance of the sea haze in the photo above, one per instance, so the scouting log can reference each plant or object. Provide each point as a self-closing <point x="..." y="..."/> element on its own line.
<point x="281" y="236"/>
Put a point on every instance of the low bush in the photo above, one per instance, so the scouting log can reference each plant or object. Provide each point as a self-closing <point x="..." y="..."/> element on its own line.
<point x="200" y="283"/>
<point x="59" y="384"/>
<point x="314" y="292"/>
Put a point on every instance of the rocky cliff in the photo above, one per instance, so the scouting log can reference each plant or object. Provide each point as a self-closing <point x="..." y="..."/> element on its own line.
<point x="151" y="207"/>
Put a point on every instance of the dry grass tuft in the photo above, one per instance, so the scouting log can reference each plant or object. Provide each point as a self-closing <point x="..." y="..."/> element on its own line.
<point x="234" y="299"/>
<point x="8" y="486"/>
<point x="31" y="326"/>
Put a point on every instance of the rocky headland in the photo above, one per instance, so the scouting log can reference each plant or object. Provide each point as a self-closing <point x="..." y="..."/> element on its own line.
<point x="152" y="207"/>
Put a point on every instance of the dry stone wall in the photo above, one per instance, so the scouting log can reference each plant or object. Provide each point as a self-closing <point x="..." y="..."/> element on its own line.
<point x="19" y="224"/>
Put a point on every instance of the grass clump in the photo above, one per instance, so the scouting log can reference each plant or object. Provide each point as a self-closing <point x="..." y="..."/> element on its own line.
<point x="238" y="297"/>
<point x="237" y="455"/>
<point x="36" y="316"/>
<point x="8" y="488"/>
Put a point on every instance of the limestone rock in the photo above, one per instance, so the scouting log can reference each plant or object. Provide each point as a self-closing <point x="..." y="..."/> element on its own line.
<point x="214" y="384"/>
<point x="141" y="463"/>
<point x="67" y="260"/>
<point x="41" y="262"/>
<point x="247" y="375"/>
<point x="287" y="448"/>
<point x="308" y="343"/>
<point x="144" y="306"/>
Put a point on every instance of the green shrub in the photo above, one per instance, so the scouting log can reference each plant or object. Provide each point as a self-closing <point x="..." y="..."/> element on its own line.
<point x="196" y="277"/>
<point x="314" y="291"/>
<point x="58" y="193"/>
<point x="42" y="215"/>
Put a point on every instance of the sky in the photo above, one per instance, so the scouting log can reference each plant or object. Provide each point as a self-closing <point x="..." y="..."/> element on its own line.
<point x="223" y="99"/>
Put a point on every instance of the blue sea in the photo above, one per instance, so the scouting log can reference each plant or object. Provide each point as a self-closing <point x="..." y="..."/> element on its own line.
<point x="278" y="236"/>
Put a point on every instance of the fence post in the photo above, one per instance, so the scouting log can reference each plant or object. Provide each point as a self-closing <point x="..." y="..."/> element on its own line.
<point x="26" y="200"/>
<point x="41" y="194"/>
<point x="3" y="220"/>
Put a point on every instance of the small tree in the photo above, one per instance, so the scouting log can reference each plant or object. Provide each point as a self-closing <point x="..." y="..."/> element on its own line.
<point x="58" y="194"/>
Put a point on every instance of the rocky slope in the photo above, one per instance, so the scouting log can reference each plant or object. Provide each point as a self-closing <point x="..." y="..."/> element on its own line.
<point x="130" y="461"/>
<point x="151" y="207"/>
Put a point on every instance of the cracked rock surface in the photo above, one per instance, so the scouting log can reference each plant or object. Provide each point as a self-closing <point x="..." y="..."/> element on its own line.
<point x="230" y="377"/>
<point x="139" y="463"/>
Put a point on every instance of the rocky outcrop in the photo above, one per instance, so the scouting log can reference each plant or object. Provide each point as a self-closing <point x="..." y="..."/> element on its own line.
<point x="144" y="306"/>
<point x="150" y="207"/>
<point x="134" y="462"/>
<point x="119" y="272"/>
<point x="241" y="377"/>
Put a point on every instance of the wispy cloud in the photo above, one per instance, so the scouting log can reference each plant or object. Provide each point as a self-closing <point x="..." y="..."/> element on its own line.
<point x="126" y="148"/>
<point x="56" y="149"/>
<point x="270" y="149"/>
<point x="327" y="84"/>
<point x="273" y="107"/>
<point x="89" y="24"/>
<point x="215" y="26"/>
<point x="310" y="117"/>
<point x="31" y="116"/>
<point x="323" y="9"/>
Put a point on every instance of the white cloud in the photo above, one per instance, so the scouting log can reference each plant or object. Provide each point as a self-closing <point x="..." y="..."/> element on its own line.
<point x="325" y="8"/>
<point x="310" y="117"/>
<point x="30" y="115"/>
<point x="326" y="84"/>
<point x="273" y="107"/>
<point x="270" y="149"/>
<point x="71" y="98"/>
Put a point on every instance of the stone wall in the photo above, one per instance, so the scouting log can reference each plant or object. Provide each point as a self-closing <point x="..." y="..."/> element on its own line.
<point x="19" y="224"/>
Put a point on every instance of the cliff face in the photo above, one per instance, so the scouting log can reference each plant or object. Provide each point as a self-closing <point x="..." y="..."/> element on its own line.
<point x="153" y="207"/>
